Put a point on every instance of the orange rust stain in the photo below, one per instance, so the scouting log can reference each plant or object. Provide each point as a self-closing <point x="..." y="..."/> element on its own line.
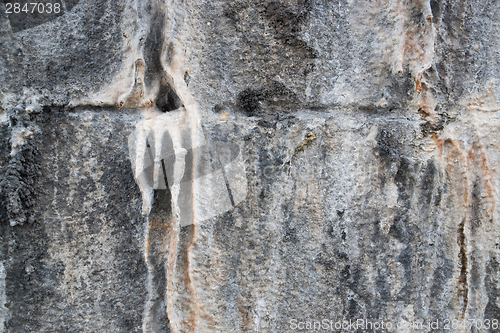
<point x="193" y="313"/>
<point x="171" y="265"/>
<point x="425" y="104"/>
<point x="484" y="101"/>
<point x="471" y="156"/>
<point x="172" y="251"/>
<point x="245" y="317"/>
<point x="486" y="174"/>
<point x="439" y="144"/>
<point x="418" y="80"/>
<point x="198" y="309"/>
<point x="223" y="117"/>
<point x="148" y="245"/>
<point x="155" y="223"/>
<point x="456" y="155"/>
<point x="468" y="162"/>
<point x="159" y="224"/>
<point x="413" y="46"/>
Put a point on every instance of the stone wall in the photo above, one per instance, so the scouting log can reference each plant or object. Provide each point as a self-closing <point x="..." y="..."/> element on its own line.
<point x="367" y="133"/>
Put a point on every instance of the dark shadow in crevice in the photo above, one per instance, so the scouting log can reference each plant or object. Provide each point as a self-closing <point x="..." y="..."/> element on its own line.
<point x="153" y="48"/>
<point x="167" y="99"/>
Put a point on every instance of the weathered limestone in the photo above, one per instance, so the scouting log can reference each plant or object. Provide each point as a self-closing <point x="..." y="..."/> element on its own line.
<point x="337" y="161"/>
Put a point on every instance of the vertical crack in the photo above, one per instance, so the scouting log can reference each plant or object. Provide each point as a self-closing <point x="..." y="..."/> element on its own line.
<point x="462" y="256"/>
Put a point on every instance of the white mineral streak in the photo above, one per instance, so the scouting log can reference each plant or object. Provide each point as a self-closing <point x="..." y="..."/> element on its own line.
<point x="173" y="124"/>
<point x="403" y="41"/>
<point x="260" y="308"/>
<point x="484" y="100"/>
<point x="18" y="139"/>
<point x="3" y="117"/>
<point x="4" y="312"/>
<point x="399" y="37"/>
<point x="169" y="149"/>
<point x="193" y="201"/>
<point x="179" y="154"/>
<point x="413" y="44"/>
<point x="203" y="194"/>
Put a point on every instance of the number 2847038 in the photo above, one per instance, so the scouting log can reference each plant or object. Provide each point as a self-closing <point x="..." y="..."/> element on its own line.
<point x="32" y="8"/>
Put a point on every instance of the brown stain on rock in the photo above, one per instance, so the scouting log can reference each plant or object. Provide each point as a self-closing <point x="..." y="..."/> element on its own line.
<point x="456" y="167"/>
<point x="454" y="159"/>
<point x="172" y="256"/>
<point x="418" y="81"/>
<point x="197" y="311"/>
<point x="461" y="164"/>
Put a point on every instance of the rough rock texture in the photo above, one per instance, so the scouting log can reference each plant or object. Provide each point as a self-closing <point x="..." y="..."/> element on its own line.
<point x="369" y="136"/>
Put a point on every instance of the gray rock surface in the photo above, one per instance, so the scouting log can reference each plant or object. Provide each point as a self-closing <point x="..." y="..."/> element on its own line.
<point x="368" y="131"/>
